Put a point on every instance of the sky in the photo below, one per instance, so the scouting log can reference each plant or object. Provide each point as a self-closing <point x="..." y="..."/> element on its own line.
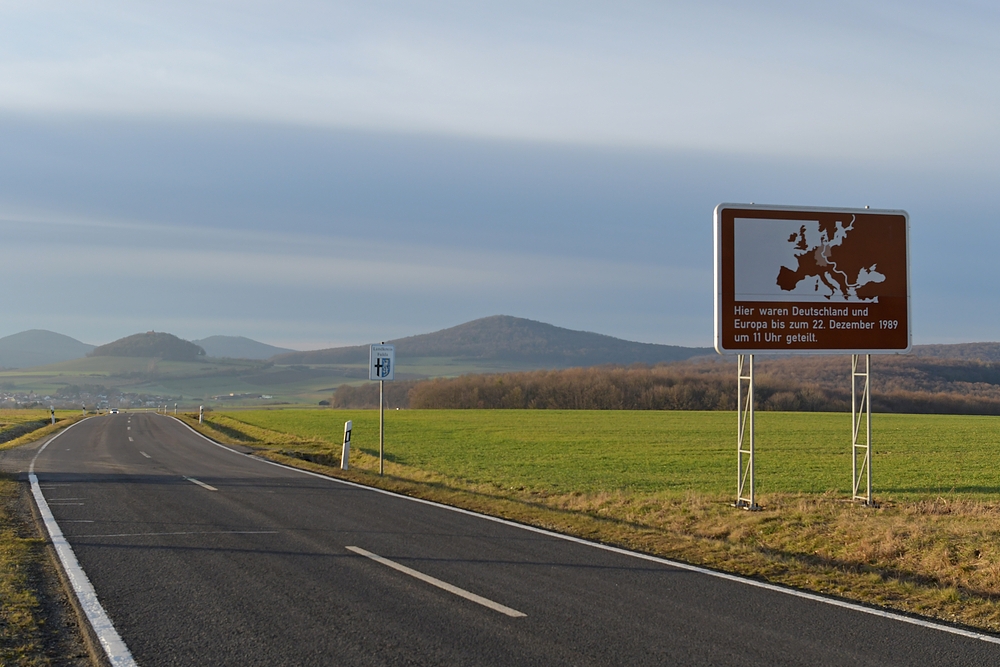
<point x="315" y="174"/>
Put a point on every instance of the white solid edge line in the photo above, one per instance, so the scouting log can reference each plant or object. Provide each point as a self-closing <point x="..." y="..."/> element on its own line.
<point x="186" y="532"/>
<point x="815" y="597"/>
<point x="460" y="592"/>
<point x="114" y="647"/>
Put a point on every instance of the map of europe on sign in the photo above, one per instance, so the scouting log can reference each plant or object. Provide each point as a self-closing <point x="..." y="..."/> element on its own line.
<point x="806" y="260"/>
<point x="811" y="280"/>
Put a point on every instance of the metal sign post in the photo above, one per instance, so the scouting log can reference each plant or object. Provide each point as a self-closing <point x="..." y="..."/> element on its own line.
<point x="744" y="434"/>
<point x="381" y="428"/>
<point x="792" y="280"/>
<point x="381" y="367"/>
<point x="861" y="408"/>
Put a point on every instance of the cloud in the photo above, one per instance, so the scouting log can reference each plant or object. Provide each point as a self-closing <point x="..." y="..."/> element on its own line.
<point x="296" y="261"/>
<point x="307" y="234"/>
<point x="889" y="81"/>
<point x="276" y="284"/>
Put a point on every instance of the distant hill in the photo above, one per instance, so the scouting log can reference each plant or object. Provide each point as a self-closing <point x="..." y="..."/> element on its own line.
<point x="38" y="347"/>
<point x="151" y="344"/>
<point x="502" y="338"/>
<point x="238" y="347"/>
<point x="963" y="351"/>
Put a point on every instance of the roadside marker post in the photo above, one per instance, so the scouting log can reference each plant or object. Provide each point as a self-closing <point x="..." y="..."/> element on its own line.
<point x="381" y="367"/>
<point x="52" y="410"/>
<point x="345" y="453"/>
<point x="201" y="414"/>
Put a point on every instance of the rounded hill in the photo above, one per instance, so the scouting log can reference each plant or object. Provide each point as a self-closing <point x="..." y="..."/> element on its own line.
<point x="151" y="344"/>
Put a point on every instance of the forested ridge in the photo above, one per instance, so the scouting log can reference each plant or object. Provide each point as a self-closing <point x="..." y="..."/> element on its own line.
<point x="907" y="384"/>
<point x="152" y="344"/>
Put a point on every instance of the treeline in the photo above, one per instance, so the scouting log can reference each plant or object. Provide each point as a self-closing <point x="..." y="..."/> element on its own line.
<point x="365" y="396"/>
<point x="666" y="387"/>
<point x="812" y="384"/>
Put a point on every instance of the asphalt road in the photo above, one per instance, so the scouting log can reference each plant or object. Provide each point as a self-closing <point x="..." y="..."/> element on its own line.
<point x="201" y="555"/>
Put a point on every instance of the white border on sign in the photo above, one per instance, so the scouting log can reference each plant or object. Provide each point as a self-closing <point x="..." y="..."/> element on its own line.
<point x="382" y="351"/>
<point x="716" y="235"/>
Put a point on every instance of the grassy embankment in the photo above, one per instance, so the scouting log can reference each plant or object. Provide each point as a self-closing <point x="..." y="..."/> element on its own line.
<point x="662" y="483"/>
<point x="21" y="551"/>
<point x="18" y="427"/>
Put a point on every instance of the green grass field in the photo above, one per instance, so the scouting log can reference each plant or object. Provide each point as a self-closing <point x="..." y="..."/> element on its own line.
<point x="567" y="451"/>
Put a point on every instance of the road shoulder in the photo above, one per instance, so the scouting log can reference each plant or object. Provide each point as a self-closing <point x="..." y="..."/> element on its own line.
<point x="61" y="636"/>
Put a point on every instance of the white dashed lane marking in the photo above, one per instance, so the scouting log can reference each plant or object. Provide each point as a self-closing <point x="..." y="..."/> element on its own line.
<point x="460" y="592"/>
<point x="201" y="484"/>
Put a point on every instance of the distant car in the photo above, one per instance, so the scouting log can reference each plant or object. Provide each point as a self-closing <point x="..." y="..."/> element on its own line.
<point x="113" y="411"/>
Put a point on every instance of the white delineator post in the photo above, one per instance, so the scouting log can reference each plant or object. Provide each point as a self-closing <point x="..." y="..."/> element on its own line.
<point x="53" y="411"/>
<point x="201" y="414"/>
<point x="345" y="453"/>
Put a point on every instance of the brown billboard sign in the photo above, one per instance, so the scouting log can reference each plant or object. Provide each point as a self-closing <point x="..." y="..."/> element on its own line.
<point x="811" y="280"/>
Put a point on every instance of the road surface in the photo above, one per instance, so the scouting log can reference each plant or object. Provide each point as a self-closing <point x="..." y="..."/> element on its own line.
<point x="203" y="555"/>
